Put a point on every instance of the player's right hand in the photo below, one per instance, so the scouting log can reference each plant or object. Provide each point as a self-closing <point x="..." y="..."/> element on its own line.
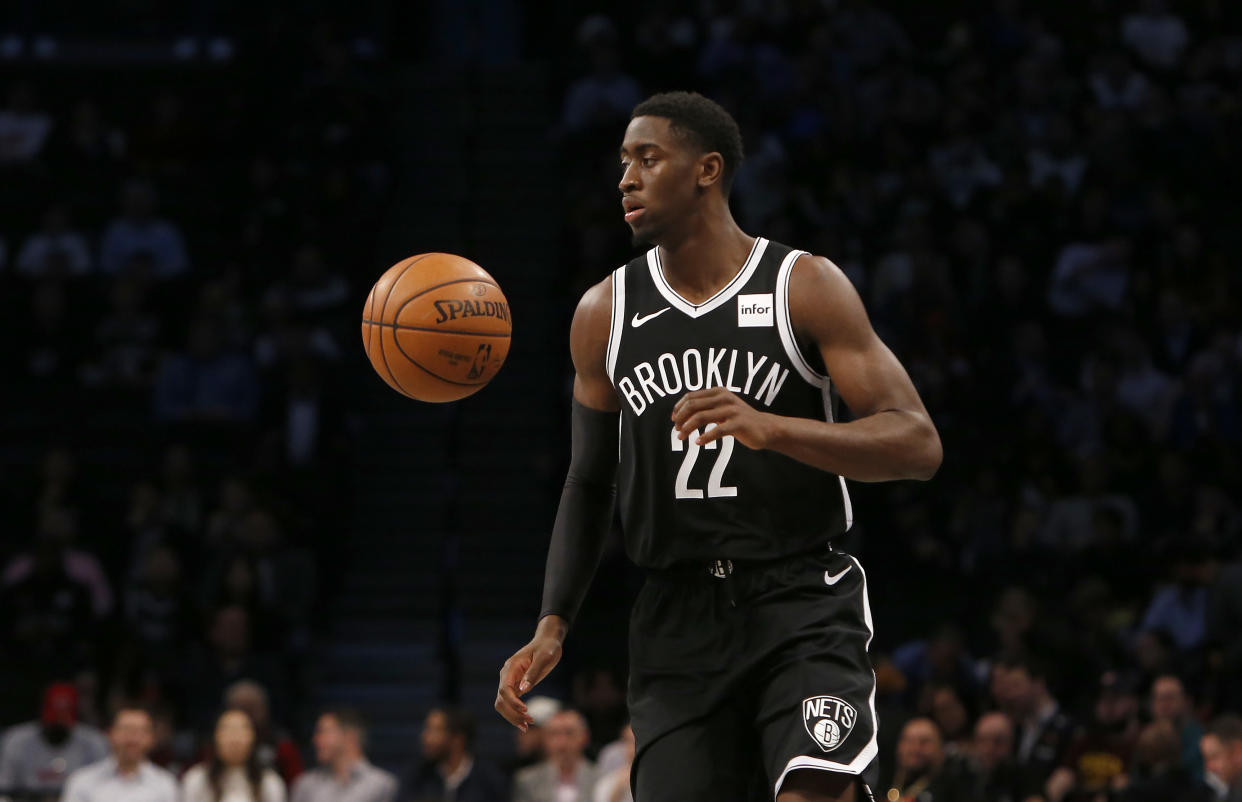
<point x="527" y="667"/>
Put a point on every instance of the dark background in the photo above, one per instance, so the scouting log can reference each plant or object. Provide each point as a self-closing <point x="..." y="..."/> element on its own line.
<point x="1038" y="208"/>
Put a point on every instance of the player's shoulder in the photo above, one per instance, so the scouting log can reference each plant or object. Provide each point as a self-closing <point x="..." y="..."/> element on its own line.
<point x="812" y="269"/>
<point x="823" y="301"/>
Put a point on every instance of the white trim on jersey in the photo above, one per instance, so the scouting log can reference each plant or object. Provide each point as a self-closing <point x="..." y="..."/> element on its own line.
<point x="618" y="321"/>
<point x="785" y="326"/>
<point x="714" y="302"/>
<point x="845" y="493"/>
<point x="868" y="752"/>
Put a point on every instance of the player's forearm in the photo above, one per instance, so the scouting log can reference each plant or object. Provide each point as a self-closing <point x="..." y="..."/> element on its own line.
<point x="578" y="536"/>
<point x="891" y="444"/>
<point x="584" y="516"/>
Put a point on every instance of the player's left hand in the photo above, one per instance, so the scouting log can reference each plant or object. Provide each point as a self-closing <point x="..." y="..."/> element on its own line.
<point x="732" y="415"/>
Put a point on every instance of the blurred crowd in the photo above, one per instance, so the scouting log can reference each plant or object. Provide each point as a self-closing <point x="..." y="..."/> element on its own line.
<point x="1035" y="203"/>
<point x="179" y="251"/>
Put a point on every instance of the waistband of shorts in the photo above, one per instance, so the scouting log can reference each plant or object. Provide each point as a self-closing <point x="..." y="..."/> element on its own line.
<point x="724" y="567"/>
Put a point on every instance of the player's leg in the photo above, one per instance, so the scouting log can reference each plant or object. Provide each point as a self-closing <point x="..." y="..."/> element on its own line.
<point x="694" y="733"/>
<point x="712" y="759"/>
<point x="816" y="688"/>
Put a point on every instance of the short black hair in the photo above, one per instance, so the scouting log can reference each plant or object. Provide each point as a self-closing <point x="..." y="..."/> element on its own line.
<point x="458" y="722"/>
<point x="703" y="122"/>
<point x="347" y="718"/>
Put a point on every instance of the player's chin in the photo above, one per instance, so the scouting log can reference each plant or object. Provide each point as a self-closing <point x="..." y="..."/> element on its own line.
<point x="642" y="233"/>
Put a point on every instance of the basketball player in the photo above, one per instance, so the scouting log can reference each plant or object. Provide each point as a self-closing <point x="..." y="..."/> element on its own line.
<point x="722" y="354"/>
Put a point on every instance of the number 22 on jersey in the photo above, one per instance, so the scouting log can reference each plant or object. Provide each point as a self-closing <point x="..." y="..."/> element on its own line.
<point x="714" y="487"/>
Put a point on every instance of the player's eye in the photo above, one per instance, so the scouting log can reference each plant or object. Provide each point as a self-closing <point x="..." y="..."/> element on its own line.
<point x="624" y="166"/>
<point x="648" y="161"/>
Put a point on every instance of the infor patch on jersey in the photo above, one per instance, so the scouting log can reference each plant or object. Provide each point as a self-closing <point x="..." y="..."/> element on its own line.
<point x="754" y="310"/>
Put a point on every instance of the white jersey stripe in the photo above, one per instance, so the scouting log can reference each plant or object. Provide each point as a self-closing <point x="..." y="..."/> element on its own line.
<point x="785" y="326"/>
<point x="618" y="321"/>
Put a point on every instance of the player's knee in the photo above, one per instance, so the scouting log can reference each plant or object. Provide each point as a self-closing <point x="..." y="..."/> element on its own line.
<point x="813" y="785"/>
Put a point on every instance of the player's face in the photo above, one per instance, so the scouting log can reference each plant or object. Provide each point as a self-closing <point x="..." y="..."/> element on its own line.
<point x="658" y="184"/>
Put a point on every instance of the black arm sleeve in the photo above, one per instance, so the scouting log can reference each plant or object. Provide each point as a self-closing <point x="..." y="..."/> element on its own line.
<point x="585" y="513"/>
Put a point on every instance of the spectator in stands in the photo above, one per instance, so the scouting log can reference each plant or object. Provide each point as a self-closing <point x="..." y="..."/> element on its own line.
<point x="276" y="749"/>
<point x="1156" y="34"/>
<point x="1213" y="754"/>
<point x="920" y="769"/>
<point x="1169" y="702"/>
<point x="614" y="780"/>
<point x="311" y="290"/>
<point x="1222" y="754"/>
<point x="52" y="595"/>
<point x="230" y="657"/>
<point x="157" y="610"/>
<point x="40" y="755"/>
<point x="1099" y="757"/>
<point x="285" y="573"/>
<point x="944" y="705"/>
<point x="599" y="695"/>
<point x="1044" y="730"/>
<point x="233" y="773"/>
<point x="235" y="502"/>
<point x="1180" y="608"/>
<point x="1158" y="775"/>
<point x="566" y="775"/>
<point x="528" y="746"/>
<point x="50" y="341"/>
<point x="206" y="382"/>
<point x="304" y="418"/>
<point x="991" y="775"/>
<point x="86" y="153"/>
<point x="126" y="776"/>
<point x="941" y="658"/>
<point x="126" y="341"/>
<point x="57" y="251"/>
<point x="137" y="230"/>
<point x="344" y="774"/>
<point x="606" y="94"/>
<point x="450" y="771"/>
<point x="23" y="126"/>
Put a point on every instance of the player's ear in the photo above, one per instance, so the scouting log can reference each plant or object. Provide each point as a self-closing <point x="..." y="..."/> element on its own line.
<point x="711" y="169"/>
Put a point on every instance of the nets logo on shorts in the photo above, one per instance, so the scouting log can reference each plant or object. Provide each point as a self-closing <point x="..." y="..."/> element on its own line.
<point x="829" y="720"/>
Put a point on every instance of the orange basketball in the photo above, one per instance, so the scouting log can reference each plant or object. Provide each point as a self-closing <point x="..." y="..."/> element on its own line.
<point x="436" y="327"/>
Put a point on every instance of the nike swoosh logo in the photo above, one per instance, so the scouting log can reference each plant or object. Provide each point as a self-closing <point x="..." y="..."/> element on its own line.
<point x="831" y="580"/>
<point x="641" y="319"/>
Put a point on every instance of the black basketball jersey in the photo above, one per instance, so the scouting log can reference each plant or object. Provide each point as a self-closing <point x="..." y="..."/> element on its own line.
<point x="685" y="503"/>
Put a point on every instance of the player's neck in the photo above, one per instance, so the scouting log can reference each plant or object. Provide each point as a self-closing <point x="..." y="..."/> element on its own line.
<point x="705" y="256"/>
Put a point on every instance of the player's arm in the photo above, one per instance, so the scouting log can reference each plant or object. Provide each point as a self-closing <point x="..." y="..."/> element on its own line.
<point x="891" y="437"/>
<point x="585" y="512"/>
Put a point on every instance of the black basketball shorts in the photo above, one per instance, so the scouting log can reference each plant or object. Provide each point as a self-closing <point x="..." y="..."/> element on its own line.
<point x="743" y="673"/>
